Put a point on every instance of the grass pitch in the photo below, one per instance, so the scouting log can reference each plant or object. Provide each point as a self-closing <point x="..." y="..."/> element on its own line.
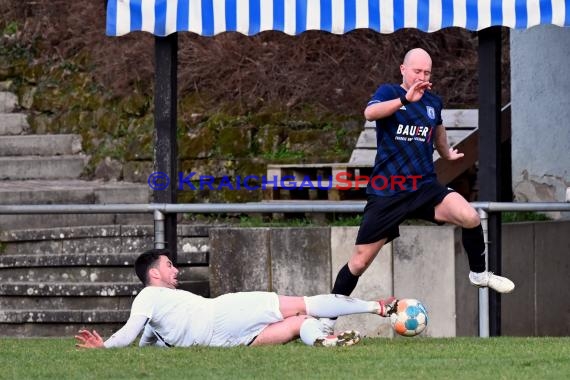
<point x="401" y="358"/>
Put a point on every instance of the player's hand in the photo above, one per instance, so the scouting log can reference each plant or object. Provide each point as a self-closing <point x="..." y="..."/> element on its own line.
<point x="416" y="91"/>
<point x="88" y="339"/>
<point x="454" y="154"/>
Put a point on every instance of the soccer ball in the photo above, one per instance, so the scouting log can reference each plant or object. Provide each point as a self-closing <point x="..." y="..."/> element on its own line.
<point x="410" y="317"/>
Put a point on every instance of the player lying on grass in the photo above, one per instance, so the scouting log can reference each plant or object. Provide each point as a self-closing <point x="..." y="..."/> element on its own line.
<point x="177" y="318"/>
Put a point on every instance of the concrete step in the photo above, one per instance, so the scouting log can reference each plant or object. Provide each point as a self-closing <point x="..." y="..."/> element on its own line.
<point x="46" y="276"/>
<point x="40" y="145"/>
<point x="73" y="289"/>
<point x="62" y="309"/>
<point x="20" y="192"/>
<point x="45" y="260"/>
<point x="51" y="330"/>
<point x="54" y="281"/>
<point x="183" y="230"/>
<point x="12" y="237"/>
<point x="13" y="124"/>
<point x="17" y="222"/>
<point x="81" y="289"/>
<point x="69" y="316"/>
<point x="71" y="191"/>
<point x="65" y="303"/>
<point x="66" y="275"/>
<point x="8" y="101"/>
<point x="52" y="167"/>
<point x="100" y="247"/>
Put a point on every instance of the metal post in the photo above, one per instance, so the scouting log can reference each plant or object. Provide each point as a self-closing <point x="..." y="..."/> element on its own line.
<point x="489" y="153"/>
<point x="484" y="292"/>
<point x="165" y="117"/>
<point x="159" y="235"/>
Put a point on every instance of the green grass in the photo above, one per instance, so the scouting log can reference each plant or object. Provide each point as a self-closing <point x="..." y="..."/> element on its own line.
<point x="402" y="358"/>
<point x="258" y="221"/>
<point x="523" y="216"/>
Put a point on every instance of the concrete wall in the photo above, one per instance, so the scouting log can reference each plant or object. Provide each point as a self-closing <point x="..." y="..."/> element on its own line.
<point x="426" y="263"/>
<point x="536" y="256"/>
<point x="430" y="265"/>
<point x="540" y="114"/>
<point x="289" y="261"/>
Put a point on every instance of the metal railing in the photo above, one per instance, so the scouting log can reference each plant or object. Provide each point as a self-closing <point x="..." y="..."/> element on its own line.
<point x="253" y="207"/>
<point x="159" y="210"/>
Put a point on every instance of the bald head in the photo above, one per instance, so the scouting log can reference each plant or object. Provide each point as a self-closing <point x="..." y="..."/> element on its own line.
<point x="416" y="54"/>
<point x="416" y="67"/>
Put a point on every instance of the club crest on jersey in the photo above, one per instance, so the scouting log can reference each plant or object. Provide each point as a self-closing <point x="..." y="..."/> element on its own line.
<point x="430" y="112"/>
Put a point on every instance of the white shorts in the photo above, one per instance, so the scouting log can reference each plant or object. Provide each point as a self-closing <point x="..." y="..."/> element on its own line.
<point x="240" y="317"/>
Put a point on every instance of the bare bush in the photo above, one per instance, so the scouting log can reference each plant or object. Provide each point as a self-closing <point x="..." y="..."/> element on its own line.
<point x="239" y="74"/>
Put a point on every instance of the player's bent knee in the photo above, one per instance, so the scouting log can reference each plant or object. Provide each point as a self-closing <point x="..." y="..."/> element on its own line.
<point x="471" y="220"/>
<point x="359" y="264"/>
<point x="362" y="256"/>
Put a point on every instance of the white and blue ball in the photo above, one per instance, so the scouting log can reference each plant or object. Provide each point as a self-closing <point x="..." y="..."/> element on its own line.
<point x="410" y="317"/>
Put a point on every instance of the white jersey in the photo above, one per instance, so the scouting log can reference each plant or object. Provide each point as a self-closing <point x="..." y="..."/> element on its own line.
<point x="172" y="317"/>
<point x="178" y="318"/>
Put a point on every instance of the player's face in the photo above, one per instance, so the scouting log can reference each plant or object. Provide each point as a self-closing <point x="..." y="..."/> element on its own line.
<point x="168" y="273"/>
<point x="416" y="69"/>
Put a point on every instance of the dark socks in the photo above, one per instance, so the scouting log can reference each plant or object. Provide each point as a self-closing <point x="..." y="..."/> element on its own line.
<point x="345" y="281"/>
<point x="474" y="245"/>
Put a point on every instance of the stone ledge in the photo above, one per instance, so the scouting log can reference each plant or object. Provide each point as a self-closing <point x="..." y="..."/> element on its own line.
<point x="67" y="330"/>
<point x="64" y="233"/>
<point x="64" y="316"/>
<point x="101" y="289"/>
<point x="88" y="259"/>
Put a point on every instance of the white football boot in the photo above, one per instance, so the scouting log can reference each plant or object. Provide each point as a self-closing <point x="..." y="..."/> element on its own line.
<point x="488" y="279"/>
<point x="346" y="338"/>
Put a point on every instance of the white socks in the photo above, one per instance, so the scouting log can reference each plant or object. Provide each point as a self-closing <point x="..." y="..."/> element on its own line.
<point x="311" y="330"/>
<point x="335" y="305"/>
<point x="327" y="306"/>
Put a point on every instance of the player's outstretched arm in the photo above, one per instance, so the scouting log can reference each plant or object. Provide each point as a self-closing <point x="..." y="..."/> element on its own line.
<point x="384" y="109"/>
<point x="381" y="110"/>
<point x="122" y="338"/>
<point x="442" y="146"/>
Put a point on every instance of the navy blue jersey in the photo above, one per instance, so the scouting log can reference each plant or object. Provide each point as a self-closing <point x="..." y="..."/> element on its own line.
<point x="404" y="156"/>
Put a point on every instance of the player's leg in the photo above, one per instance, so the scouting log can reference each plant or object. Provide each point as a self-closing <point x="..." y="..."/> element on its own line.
<point x="456" y="210"/>
<point x="347" y="278"/>
<point x="362" y="256"/>
<point x="332" y="306"/>
<point x="280" y="332"/>
<point x="379" y="225"/>
<point x="309" y="329"/>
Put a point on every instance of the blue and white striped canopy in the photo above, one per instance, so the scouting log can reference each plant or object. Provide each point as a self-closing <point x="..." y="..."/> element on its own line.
<point x="210" y="17"/>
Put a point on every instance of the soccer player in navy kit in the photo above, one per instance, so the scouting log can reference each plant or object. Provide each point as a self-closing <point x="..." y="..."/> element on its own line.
<point x="408" y="125"/>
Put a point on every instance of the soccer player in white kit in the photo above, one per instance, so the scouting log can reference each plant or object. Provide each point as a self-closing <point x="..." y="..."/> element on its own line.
<point x="177" y="318"/>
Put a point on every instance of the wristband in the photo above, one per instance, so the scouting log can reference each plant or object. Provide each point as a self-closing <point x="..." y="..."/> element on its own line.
<point x="404" y="100"/>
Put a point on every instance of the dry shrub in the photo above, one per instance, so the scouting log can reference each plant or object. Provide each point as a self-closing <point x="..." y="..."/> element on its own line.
<point x="270" y="71"/>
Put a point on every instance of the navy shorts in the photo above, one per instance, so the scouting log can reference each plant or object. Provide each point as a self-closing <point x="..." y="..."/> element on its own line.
<point x="383" y="215"/>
